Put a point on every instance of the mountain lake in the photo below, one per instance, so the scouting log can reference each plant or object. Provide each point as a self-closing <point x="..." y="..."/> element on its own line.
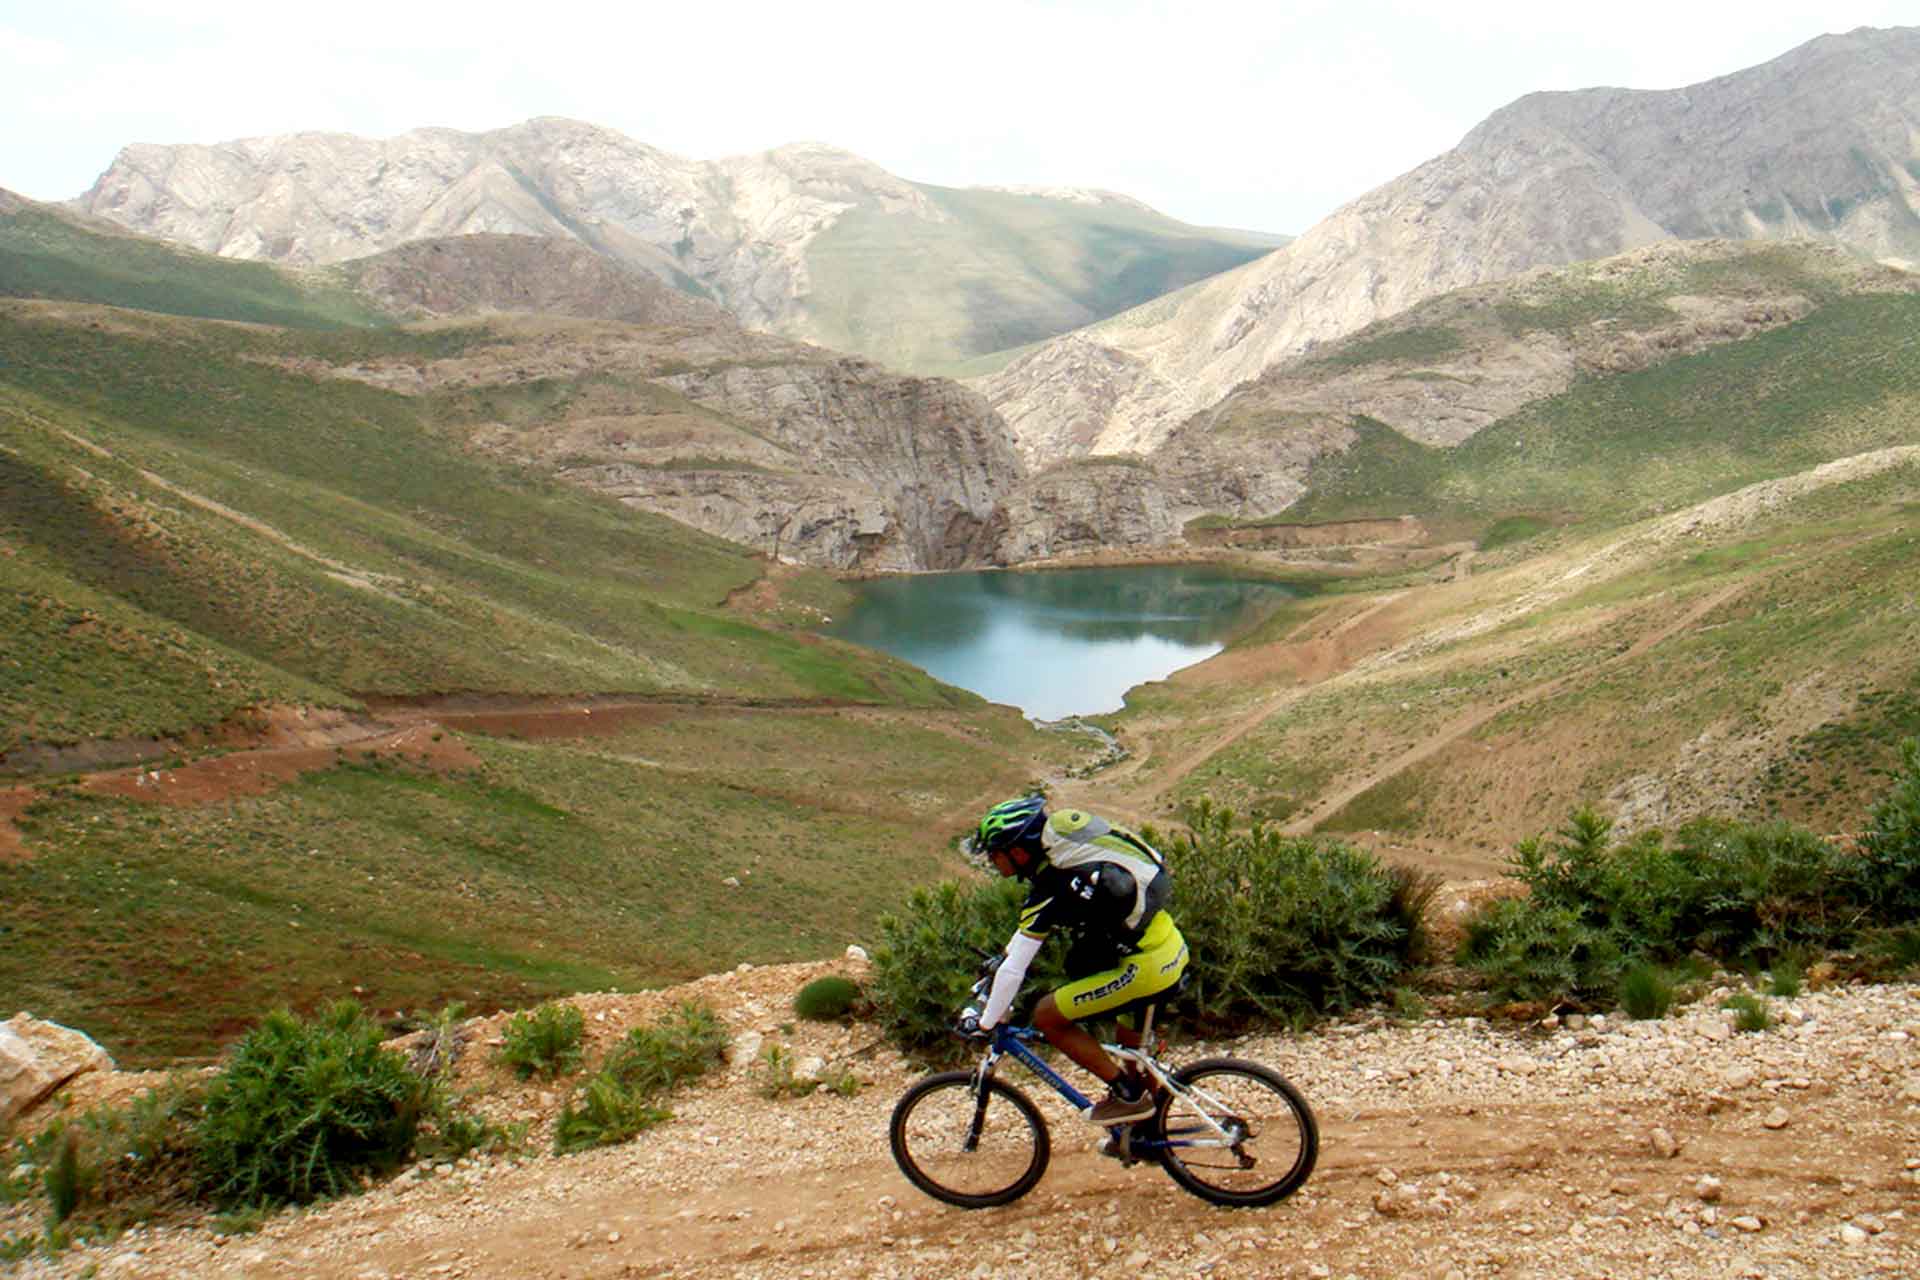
<point x="1059" y="642"/>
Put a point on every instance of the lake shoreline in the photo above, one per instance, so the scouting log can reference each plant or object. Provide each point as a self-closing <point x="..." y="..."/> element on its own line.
<point x="1358" y="562"/>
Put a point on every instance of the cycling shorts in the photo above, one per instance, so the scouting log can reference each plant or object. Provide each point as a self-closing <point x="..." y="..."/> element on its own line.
<point x="1155" y="964"/>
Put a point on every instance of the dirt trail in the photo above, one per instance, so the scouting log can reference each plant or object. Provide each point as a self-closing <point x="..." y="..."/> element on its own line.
<point x="1447" y="1147"/>
<point x="1462" y="725"/>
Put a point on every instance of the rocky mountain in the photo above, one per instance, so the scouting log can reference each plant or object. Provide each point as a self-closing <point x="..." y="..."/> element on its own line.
<point x="617" y="382"/>
<point x="488" y="272"/>
<point x="793" y="241"/>
<point x="1823" y="142"/>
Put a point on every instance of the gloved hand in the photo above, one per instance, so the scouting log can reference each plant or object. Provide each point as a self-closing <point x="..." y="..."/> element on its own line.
<point x="968" y="1027"/>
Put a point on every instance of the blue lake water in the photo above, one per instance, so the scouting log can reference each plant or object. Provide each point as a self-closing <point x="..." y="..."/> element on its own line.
<point x="1058" y="642"/>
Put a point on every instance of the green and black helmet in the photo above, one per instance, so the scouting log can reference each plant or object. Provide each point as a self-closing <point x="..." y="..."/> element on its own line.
<point x="1009" y="823"/>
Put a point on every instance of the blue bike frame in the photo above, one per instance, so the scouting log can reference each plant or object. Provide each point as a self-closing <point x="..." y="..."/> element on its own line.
<point x="1012" y="1041"/>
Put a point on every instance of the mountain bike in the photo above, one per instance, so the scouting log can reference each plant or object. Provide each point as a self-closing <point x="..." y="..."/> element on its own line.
<point x="1231" y="1132"/>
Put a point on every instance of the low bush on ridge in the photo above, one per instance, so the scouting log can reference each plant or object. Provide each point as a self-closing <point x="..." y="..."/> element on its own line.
<point x="544" y="1041"/>
<point x="622" y="1098"/>
<point x="308" y="1109"/>
<point x="1277" y="928"/>
<point x="1597" y="908"/>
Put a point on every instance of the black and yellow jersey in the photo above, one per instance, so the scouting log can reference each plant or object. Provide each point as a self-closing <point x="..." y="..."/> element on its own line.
<point x="1099" y="881"/>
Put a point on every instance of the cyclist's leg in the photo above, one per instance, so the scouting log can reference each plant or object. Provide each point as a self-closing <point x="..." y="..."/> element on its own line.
<point x="1155" y="966"/>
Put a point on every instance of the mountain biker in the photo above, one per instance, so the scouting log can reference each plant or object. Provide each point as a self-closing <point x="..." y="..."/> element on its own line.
<point x="1109" y="889"/>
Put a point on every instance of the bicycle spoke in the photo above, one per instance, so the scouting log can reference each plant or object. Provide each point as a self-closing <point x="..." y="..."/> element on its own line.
<point x="1237" y="1133"/>
<point x="955" y="1149"/>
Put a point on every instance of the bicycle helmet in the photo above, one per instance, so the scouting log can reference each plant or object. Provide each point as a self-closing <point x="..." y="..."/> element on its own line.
<point x="1007" y="824"/>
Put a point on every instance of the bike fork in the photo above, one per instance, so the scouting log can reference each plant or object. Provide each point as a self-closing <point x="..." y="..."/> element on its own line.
<point x="982" y="1078"/>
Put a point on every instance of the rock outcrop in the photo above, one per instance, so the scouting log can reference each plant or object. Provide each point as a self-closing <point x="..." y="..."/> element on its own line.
<point x="38" y="1058"/>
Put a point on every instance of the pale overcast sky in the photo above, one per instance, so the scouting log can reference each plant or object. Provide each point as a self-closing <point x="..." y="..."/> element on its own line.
<point x="1265" y="115"/>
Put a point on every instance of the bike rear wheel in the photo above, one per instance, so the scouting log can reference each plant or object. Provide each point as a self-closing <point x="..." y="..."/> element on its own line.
<point x="966" y="1147"/>
<point x="1275" y="1140"/>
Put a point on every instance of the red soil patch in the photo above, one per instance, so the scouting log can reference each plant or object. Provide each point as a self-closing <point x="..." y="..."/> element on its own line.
<point x="214" y="779"/>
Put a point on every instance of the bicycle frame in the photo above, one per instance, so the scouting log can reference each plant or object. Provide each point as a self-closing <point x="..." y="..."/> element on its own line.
<point x="1012" y="1041"/>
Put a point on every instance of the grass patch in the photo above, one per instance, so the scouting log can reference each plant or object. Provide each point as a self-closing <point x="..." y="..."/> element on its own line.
<point x="1395" y="346"/>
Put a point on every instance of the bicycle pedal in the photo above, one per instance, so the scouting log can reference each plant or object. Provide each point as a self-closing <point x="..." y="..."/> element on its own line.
<point x="1119" y="1147"/>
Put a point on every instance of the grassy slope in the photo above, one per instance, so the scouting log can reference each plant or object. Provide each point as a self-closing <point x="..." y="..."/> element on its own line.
<point x="358" y="550"/>
<point x="44" y="254"/>
<point x="418" y="568"/>
<point x="1614" y="449"/>
<point x="1024" y="269"/>
<point x="1798" y="685"/>
<point x="554" y="868"/>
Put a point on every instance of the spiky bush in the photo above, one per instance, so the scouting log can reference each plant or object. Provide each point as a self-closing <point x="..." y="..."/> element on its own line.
<point x="544" y="1041"/>
<point x="1280" y="927"/>
<point x="605" y="1112"/>
<point x="686" y="1044"/>
<point x="307" y="1109"/>
<point x="1646" y="991"/>
<point x="1523" y="949"/>
<point x="929" y="954"/>
<point x="1738" y="891"/>
<point x="620" y="1101"/>
<point x="1885" y="879"/>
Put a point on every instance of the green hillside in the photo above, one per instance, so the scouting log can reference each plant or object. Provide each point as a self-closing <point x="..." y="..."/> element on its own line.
<point x="1004" y="270"/>
<point x="1765" y="669"/>
<point x="301" y="532"/>
<point x="46" y="253"/>
<point x="1843" y="380"/>
<point x="195" y="523"/>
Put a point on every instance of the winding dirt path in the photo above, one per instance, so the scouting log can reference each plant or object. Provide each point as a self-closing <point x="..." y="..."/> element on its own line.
<point x="1304" y="822"/>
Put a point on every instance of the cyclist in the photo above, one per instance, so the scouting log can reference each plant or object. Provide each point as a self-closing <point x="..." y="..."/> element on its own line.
<point x="1109" y="889"/>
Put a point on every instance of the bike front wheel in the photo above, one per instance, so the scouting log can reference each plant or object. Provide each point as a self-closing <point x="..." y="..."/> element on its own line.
<point x="967" y="1146"/>
<point x="1238" y="1134"/>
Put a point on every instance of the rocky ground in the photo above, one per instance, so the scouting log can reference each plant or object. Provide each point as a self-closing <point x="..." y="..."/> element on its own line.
<point x="1451" y="1147"/>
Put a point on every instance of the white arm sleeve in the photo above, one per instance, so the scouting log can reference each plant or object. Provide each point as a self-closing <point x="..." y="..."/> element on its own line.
<point x="1007" y="979"/>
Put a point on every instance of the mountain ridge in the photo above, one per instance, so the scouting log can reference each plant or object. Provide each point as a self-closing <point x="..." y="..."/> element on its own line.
<point x="743" y="230"/>
<point x="1523" y="189"/>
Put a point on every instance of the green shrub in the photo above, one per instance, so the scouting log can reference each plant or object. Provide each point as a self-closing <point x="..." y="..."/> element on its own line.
<point x="545" y="1041"/>
<point x="1646" y="992"/>
<point x="1750" y="1011"/>
<point x="307" y="1109"/>
<point x="1281" y="927"/>
<point x="608" y="1112"/>
<point x="777" y="1080"/>
<point x="827" y="999"/>
<point x="928" y="956"/>
<point x="1763" y="888"/>
<point x="1524" y="949"/>
<point x="688" y="1043"/>
<point x="619" y="1101"/>
<point x="1885" y="878"/>
<point x="1594" y="907"/>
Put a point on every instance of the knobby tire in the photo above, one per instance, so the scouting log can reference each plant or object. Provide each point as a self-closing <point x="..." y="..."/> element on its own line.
<point x="1285" y="1138"/>
<point x="929" y="1126"/>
